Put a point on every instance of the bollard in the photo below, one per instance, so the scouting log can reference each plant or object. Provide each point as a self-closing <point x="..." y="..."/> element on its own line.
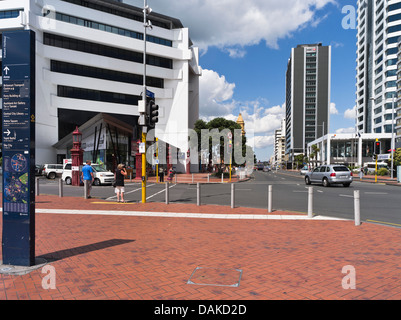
<point x="310" y="202"/>
<point x="60" y="188"/>
<point x="232" y="196"/>
<point x="85" y="189"/>
<point x="192" y="178"/>
<point x="222" y="178"/>
<point x="208" y="177"/>
<point x="198" y="194"/>
<point x="175" y="178"/>
<point x="357" y="208"/>
<point x="130" y="176"/>
<point x="270" y="199"/>
<point x="36" y="186"/>
<point x="167" y="195"/>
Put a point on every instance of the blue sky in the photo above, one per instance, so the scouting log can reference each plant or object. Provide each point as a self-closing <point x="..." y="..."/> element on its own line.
<point x="245" y="48"/>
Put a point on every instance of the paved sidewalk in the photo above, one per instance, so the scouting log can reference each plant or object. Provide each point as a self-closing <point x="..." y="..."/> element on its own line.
<point x="110" y="250"/>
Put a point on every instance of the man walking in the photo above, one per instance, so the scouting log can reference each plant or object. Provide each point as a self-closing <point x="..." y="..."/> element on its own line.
<point x="87" y="178"/>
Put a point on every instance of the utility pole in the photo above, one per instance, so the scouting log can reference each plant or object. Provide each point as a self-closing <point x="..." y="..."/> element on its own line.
<point x="142" y="115"/>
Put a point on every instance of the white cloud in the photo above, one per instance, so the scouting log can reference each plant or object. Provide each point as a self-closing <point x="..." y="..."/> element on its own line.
<point x="350" y="113"/>
<point x="215" y="95"/>
<point x="232" y="23"/>
<point x="346" y="130"/>
<point x="333" y="109"/>
<point x="260" y="142"/>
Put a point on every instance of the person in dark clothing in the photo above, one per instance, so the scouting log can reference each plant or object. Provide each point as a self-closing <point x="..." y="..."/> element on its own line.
<point x="161" y="174"/>
<point x="119" y="176"/>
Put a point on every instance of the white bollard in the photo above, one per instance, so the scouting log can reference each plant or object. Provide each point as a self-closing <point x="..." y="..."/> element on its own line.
<point x="60" y="188"/>
<point x="167" y="195"/>
<point x="198" y="194"/>
<point x="36" y="186"/>
<point x="222" y="177"/>
<point x="310" y="202"/>
<point x="357" y="208"/>
<point x="208" y="177"/>
<point x="232" y="196"/>
<point x="270" y="199"/>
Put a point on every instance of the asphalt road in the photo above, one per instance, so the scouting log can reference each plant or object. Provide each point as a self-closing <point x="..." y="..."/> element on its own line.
<point x="378" y="203"/>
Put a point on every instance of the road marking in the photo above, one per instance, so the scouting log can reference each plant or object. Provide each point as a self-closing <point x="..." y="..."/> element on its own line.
<point x="346" y="195"/>
<point x="382" y="222"/>
<point x="298" y="191"/>
<point x="132" y="191"/>
<point x="319" y="191"/>
<point x="164" y="190"/>
<point x="375" y="192"/>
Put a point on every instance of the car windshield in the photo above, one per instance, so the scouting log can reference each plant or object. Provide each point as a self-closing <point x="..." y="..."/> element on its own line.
<point x="337" y="169"/>
<point x="99" y="168"/>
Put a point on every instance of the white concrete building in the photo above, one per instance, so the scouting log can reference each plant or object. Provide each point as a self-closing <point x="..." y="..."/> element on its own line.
<point x="348" y="148"/>
<point x="379" y="27"/>
<point x="89" y="60"/>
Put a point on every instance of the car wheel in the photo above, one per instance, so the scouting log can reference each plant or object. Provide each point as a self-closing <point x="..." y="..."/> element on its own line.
<point x="52" y="175"/>
<point x="96" y="182"/>
<point x="326" y="182"/>
<point x="68" y="180"/>
<point x="307" y="180"/>
<point x="346" y="184"/>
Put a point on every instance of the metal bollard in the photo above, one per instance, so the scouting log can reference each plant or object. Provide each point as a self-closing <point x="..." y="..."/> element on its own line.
<point x="60" y="188"/>
<point x="310" y="202"/>
<point x="36" y="186"/>
<point x="270" y="199"/>
<point x="198" y="194"/>
<point x="208" y="177"/>
<point x="175" y="178"/>
<point x="222" y="178"/>
<point x="85" y="189"/>
<point x="192" y="178"/>
<point x="357" y="208"/>
<point x="232" y="196"/>
<point x="167" y="195"/>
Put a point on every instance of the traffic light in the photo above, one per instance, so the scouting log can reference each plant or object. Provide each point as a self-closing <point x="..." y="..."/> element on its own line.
<point x="152" y="112"/>
<point x="377" y="147"/>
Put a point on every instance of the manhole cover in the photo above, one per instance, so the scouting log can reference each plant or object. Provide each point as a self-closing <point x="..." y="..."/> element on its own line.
<point x="215" y="277"/>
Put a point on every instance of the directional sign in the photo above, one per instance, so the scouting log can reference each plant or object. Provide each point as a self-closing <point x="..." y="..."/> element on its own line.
<point x="383" y="156"/>
<point x="18" y="139"/>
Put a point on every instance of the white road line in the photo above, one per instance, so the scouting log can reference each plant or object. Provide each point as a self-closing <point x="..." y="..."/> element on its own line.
<point x="375" y="192"/>
<point x="132" y="191"/>
<point x="164" y="190"/>
<point x="346" y="195"/>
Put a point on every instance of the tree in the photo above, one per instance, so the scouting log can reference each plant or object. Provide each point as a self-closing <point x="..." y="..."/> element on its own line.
<point x="314" y="153"/>
<point x="220" y="124"/>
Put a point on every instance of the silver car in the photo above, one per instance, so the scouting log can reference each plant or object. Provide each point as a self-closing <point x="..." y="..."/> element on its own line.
<point x="330" y="174"/>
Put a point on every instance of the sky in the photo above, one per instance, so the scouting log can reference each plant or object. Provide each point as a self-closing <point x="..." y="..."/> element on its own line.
<point x="244" y="50"/>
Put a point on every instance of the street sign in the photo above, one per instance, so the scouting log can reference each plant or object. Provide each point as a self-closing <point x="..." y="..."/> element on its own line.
<point x="383" y="156"/>
<point x="18" y="140"/>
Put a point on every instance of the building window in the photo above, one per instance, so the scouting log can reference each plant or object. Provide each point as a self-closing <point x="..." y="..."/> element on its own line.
<point x="95" y="95"/>
<point x="107" y="51"/>
<point x="111" y="29"/>
<point x="8" y="14"/>
<point x="98" y="73"/>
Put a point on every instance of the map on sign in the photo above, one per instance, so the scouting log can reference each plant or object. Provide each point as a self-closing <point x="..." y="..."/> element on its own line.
<point x="18" y="162"/>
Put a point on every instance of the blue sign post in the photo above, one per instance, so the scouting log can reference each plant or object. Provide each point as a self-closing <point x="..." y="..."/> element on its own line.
<point x="18" y="138"/>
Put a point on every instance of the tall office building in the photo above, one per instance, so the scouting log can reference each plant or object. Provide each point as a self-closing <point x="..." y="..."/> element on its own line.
<point x="397" y="115"/>
<point x="307" y="96"/>
<point x="89" y="60"/>
<point x="379" y="27"/>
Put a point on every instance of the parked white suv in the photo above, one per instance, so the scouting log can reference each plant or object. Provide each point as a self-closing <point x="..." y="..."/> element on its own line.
<point x="51" y="171"/>
<point x="101" y="175"/>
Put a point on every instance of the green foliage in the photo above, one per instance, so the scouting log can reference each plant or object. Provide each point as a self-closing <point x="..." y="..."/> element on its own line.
<point x="382" y="172"/>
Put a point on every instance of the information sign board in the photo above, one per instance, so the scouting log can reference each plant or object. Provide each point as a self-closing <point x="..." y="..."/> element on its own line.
<point x="18" y="141"/>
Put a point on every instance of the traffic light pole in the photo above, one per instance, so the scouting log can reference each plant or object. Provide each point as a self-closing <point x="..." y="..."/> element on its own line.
<point x="144" y="169"/>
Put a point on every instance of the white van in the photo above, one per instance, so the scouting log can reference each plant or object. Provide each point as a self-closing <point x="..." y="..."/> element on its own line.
<point x="371" y="166"/>
<point x="101" y="175"/>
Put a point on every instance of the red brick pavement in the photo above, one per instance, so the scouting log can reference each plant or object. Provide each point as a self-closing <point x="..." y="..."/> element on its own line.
<point x="129" y="257"/>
